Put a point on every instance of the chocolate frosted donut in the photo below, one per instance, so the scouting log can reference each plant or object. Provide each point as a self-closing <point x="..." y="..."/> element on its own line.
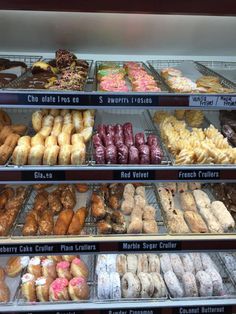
<point x="64" y="58"/>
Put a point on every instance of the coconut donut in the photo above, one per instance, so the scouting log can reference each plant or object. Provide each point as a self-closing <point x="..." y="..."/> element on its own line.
<point x="187" y="263"/>
<point x="204" y="284"/>
<point x="177" y="265"/>
<point x="132" y="263"/>
<point x="190" y="285"/>
<point x="115" y="289"/>
<point x="121" y="264"/>
<point x="218" y="287"/>
<point x="147" y="286"/>
<point x="153" y="263"/>
<point x="130" y="286"/>
<point x="103" y="288"/>
<point x="173" y="284"/>
<point x="165" y="262"/>
<point x="142" y="263"/>
<point x="159" y="285"/>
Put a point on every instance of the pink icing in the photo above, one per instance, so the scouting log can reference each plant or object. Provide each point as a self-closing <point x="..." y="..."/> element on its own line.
<point x="63" y="265"/>
<point x="76" y="261"/>
<point x="58" y="285"/>
<point x="77" y="281"/>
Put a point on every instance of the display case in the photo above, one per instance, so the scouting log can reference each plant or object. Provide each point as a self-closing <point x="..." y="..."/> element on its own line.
<point x="117" y="157"/>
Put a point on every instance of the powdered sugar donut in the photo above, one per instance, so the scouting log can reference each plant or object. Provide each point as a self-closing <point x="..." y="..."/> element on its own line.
<point x="111" y="263"/>
<point x="147" y="286"/>
<point x="218" y="287"/>
<point x="190" y="285"/>
<point x="103" y="288"/>
<point x="173" y="284"/>
<point x="115" y="289"/>
<point x="177" y="265"/>
<point x="165" y="263"/>
<point x="101" y="263"/>
<point x="159" y="285"/>
<point x="187" y="263"/>
<point x="130" y="286"/>
<point x="197" y="261"/>
<point x="204" y="284"/>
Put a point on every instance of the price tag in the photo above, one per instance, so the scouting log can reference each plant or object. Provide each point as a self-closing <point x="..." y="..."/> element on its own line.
<point x="150" y="246"/>
<point x="137" y="175"/>
<point x="124" y="100"/>
<point x="203" y="101"/>
<point x="226" y="101"/>
<point x="199" y="174"/>
<point x="43" y="175"/>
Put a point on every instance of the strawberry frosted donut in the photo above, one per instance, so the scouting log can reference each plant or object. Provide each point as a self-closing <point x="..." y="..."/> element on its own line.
<point x="63" y="270"/>
<point x="58" y="290"/>
<point x="79" y="268"/>
<point x="130" y="286"/>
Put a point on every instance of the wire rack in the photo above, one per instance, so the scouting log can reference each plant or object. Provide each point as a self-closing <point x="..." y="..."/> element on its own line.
<point x="82" y="200"/>
<point x="158" y="65"/>
<point x="151" y="200"/>
<point x="16" y="84"/>
<point x="89" y="261"/>
<point x="229" y="286"/>
<point x="121" y="64"/>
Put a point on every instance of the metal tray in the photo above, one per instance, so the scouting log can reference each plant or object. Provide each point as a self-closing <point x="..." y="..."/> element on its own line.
<point x="152" y="200"/>
<point x="206" y="123"/>
<point x="82" y="199"/>
<point x="229" y="286"/>
<point x="158" y="80"/>
<point x="28" y="60"/>
<point x="198" y="68"/>
<point x="89" y="260"/>
<point x="16" y="83"/>
<point x="97" y="300"/>
<point x="205" y="188"/>
<point x="225" y="69"/>
<point x="141" y="121"/>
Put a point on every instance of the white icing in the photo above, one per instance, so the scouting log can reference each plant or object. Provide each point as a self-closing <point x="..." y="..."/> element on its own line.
<point x="40" y="281"/>
<point x="47" y="262"/>
<point x="24" y="260"/>
<point x="27" y="277"/>
<point x="34" y="261"/>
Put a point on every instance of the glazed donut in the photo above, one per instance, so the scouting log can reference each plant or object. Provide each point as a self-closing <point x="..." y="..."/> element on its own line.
<point x="4" y="118"/>
<point x="103" y="289"/>
<point x="130" y="286"/>
<point x="115" y="289"/>
<point x="37" y="119"/>
<point x="153" y="263"/>
<point x="146" y="285"/>
<point x="190" y="285"/>
<point x="142" y="263"/>
<point x="121" y="264"/>
<point x="132" y="263"/>
<point x="159" y="285"/>
<point x="165" y="262"/>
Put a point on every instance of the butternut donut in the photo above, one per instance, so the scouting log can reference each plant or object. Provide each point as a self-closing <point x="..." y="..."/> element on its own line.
<point x="4" y="118"/>
<point x="130" y="286"/>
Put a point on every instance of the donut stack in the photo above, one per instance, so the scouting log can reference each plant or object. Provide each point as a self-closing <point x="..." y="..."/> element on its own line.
<point x="55" y="278"/>
<point x="191" y="275"/>
<point x="9" y="135"/>
<point x="142" y="216"/>
<point x="117" y="144"/>
<point x="129" y="276"/>
<point x="60" y="139"/>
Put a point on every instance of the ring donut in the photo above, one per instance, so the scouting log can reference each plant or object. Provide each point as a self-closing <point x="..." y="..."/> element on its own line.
<point x="147" y="286"/>
<point x="130" y="286"/>
<point x="4" y="118"/>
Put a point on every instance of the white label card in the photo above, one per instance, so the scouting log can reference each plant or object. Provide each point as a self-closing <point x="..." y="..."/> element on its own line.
<point x="212" y="101"/>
